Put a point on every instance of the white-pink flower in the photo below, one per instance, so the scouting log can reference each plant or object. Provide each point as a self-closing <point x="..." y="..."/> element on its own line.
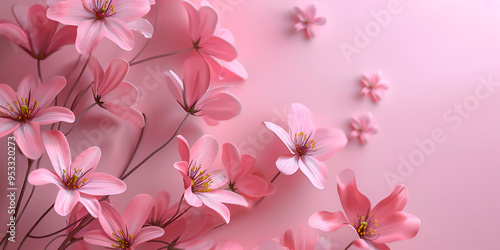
<point x="76" y="180"/>
<point x="308" y="146"/>
<point x="373" y="85"/>
<point x="362" y="127"/>
<point x="306" y="20"/>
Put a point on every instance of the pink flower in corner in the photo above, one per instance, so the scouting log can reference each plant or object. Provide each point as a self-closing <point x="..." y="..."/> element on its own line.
<point x="114" y="95"/>
<point x="125" y="231"/>
<point x="306" y="20"/>
<point x="76" y="180"/>
<point x="103" y="18"/>
<point x="201" y="183"/>
<point x="24" y="112"/>
<point x="384" y="223"/>
<point x="362" y="127"/>
<point x="308" y="146"/>
<point x="373" y="86"/>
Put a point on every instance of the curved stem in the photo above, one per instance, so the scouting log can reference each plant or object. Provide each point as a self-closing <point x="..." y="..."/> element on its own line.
<point x="58" y="231"/>
<point x="276" y="176"/>
<point x="175" y="218"/>
<point x="34" y="226"/>
<point x="80" y="116"/>
<point x="67" y="241"/>
<point x="149" y="40"/>
<point x="135" y="149"/>
<point x="39" y="69"/>
<point x="159" y="56"/>
<point x="79" y="97"/>
<point x="350" y="244"/>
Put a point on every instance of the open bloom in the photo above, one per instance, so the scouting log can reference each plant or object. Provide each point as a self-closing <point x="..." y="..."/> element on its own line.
<point x="384" y="223"/>
<point x="103" y="18"/>
<point x="24" y="112"/>
<point x="114" y="95"/>
<point x="306" y="20"/>
<point x="201" y="183"/>
<point x="76" y="180"/>
<point x="308" y="146"/>
<point x="125" y="231"/>
<point x="37" y="35"/>
<point x="373" y="86"/>
<point x="362" y="127"/>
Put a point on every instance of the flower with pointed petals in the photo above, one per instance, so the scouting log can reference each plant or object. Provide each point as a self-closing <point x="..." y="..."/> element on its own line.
<point x="37" y="35"/>
<point x="384" y="223"/>
<point x="96" y="19"/>
<point x="308" y="146"/>
<point x="306" y="20"/>
<point x="24" y="112"/>
<point x="240" y="173"/>
<point x="373" y="85"/>
<point x="195" y="96"/>
<point x="200" y="183"/>
<point x="161" y="211"/>
<point x="114" y="95"/>
<point x="76" y="180"/>
<point x="362" y="127"/>
<point x="125" y="231"/>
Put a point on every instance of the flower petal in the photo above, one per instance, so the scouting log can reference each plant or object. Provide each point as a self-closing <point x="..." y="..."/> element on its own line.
<point x="254" y="186"/>
<point x="103" y="184"/>
<point x="362" y="244"/>
<point x="282" y="134"/>
<point x="130" y="10"/>
<point x="14" y="34"/>
<point x="219" y="48"/>
<point x="395" y="202"/>
<point x="175" y="86"/>
<point x="300" y="119"/>
<point x="327" y="221"/>
<point x="91" y="204"/>
<point x="46" y="92"/>
<point x="126" y="113"/>
<point x="233" y="66"/>
<point x="220" y="106"/>
<point x="183" y="166"/>
<point x="315" y="170"/>
<point x="7" y="95"/>
<point x="204" y="151"/>
<point x="328" y="142"/>
<point x="397" y="226"/>
<point x="54" y="114"/>
<point x="113" y="77"/>
<point x="87" y="160"/>
<point x="58" y="150"/>
<point x="29" y="139"/>
<point x="117" y="31"/>
<point x="183" y="148"/>
<point x="7" y="125"/>
<point x="354" y="203"/>
<point x="208" y="21"/>
<point x="287" y="164"/>
<point x="194" y="20"/>
<point x="191" y="198"/>
<point x="217" y="206"/>
<point x="110" y="219"/>
<point x="247" y="166"/>
<point x="98" y="74"/>
<point x="137" y="212"/>
<point x="88" y="34"/>
<point x="148" y="233"/>
<point x="64" y="36"/>
<point x="66" y="201"/>
<point x="99" y="238"/>
<point x="124" y="94"/>
<point x="196" y="75"/>
<point x="43" y="176"/>
<point x="70" y="12"/>
<point x="142" y="25"/>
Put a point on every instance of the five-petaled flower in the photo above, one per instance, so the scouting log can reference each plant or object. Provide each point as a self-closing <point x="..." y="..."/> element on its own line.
<point x="308" y="146"/>
<point x="384" y="223"/>
<point x="76" y="180"/>
<point x="362" y="127"/>
<point x="373" y="85"/>
<point x="306" y="20"/>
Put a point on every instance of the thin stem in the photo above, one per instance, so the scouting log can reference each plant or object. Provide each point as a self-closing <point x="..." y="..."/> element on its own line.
<point x="176" y="212"/>
<point x="80" y="116"/>
<point x="67" y="241"/>
<point x="175" y="218"/>
<point x="350" y="244"/>
<point x="149" y="40"/>
<point x="58" y="231"/>
<point x="30" y="164"/>
<point x="159" y="56"/>
<point x="261" y="199"/>
<point x="31" y="193"/>
<point x="79" y="97"/>
<point x="276" y="176"/>
<point x="74" y="240"/>
<point x="39" y="69"/>
<point x="135" y="149"/>
<point x="33" y="227"/>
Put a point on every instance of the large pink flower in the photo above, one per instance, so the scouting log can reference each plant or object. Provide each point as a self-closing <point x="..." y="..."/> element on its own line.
<point x="76" y="180"/>
<point x="103" y="18"/>
<point x="373" y="85"/>
<point x="308" y="146"/>
<point x="114" y="95"/>
<point x="200" y="183"/>
<point x="362" y="127"/>
<point x="306" y="20"/>
<point x="37" y="35"/>
<point x="384" y="223"/>
<point x="125" y="231"/>
<point x="24" y="112"/>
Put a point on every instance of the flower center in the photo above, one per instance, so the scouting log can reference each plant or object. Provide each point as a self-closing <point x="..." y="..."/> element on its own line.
<point x="365" y="226"/>
<point x="123" y="240"/>
<point x="22" y="110"/>
<point x="200" y="181"/>
<point x="102" y="9"/>
<point x="74" y="180"/>
<point x="303" y="143"/>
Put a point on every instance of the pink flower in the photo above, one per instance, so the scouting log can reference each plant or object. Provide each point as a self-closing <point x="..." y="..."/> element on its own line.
<point x="384" y="223"/>
<point x="77" y="181"/>
<point x="24" y="112"/>
<point x="362" y="127"/>
<point x="125" y="231"/>
<point x="114" y="95"/>
<point x="161" y="211"/>
<point x="195" y="96"/>
<point x="37" y="35"/>
<point x="306" y="20"/>
<point x="240" y="173"/>
<point x="304" y="238"/>
<point x="200" y="183"/>
<point x="102" y="18"/>
<point x="308" y="146"/>
<point x="373" y="86"/>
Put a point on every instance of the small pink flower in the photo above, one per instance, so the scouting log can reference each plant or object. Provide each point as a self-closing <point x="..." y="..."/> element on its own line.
<point x="114" y="95"/>
<point x="240" y="173"/>
<point x="362" y="127"/>
<point x="373" y="86"/>
<point x="306" y="20"/>
<point x="125" y="231"/>
<point x="381" y="224"/>
<point x="24" y="112"/>
<point x="103" y="18"/>
<point x="200" y="183"/>
<point x="38" y="35"/>
<point x="76" y="180"/>
<point x="308" y="146"/>
<point x="161" y="211"/>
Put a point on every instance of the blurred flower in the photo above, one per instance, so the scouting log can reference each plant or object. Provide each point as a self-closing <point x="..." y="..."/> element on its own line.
<point x="308" y="147"/>
<point x="193" y="230"/>
<point x="200" y="183"/>
<point x="385" y="223"/>
<point x="306" y="20"/>
<point x="114" y="95"/>
<point x="362" y="127"/>
<point x="77" y="181"/>
<point x="24" y="112"/>
<point x="161" y="211"/>
<point x="103" y="18"/>
<point x="373" y="86"/>
<point x="125" y="231"/>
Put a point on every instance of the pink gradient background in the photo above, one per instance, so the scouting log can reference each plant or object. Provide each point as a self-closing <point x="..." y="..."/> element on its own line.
<point x="432" y="53"/>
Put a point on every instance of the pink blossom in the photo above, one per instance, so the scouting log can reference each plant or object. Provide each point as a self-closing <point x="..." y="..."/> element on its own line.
<point x="114" y="95"/>
<point x="240" y="173"/>
<point x="306" y="20"/>
<point x="362" y="127"/>
<point x="36" y="34"/>
<point x="24" y="112"/>
<point x="161" y="211"/>
<point x="384" y="223"/>
<point x="76" y="180"/>
<point x="125" y="231"/>
<point x="201" y="183"/>
<point x="373" y="86"/>
<point x="308" y="146"/>
<point x="103" y="18"/>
